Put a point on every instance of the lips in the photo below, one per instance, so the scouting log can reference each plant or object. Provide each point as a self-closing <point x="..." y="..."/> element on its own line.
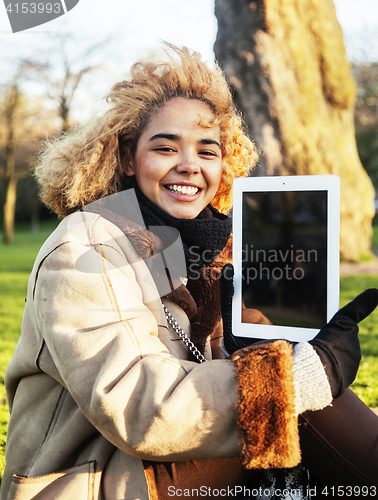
<point x="182" y="189"/>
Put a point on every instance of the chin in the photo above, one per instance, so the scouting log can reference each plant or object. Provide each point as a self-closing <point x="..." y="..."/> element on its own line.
<point x="181" y="215"/>
<point x="181" y="212"/>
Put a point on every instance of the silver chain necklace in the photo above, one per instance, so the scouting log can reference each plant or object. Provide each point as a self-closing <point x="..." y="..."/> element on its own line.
<point x="183" y="336"/>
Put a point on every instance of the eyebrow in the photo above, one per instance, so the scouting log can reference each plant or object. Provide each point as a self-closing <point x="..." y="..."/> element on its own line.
<point x="170" y="137"/>
<point x="175" y="137"/>
<point x="209" y="141"/>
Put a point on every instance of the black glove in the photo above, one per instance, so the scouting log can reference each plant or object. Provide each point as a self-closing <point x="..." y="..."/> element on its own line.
<point x="337" y="343"/>
<point x="231" y="343"/>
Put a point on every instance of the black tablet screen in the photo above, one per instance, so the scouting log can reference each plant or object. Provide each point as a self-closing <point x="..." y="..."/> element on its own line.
<point x="284" y="257"/>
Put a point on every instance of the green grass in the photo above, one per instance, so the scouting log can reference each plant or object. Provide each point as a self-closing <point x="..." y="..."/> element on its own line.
<point x="366" y="384"/>
<point x="16" y="261"/>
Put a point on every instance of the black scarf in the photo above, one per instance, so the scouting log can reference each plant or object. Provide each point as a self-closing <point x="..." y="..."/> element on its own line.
<point x="203" y="238"/>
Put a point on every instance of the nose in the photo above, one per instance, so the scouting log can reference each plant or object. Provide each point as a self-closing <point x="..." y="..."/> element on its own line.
<point x="187" y="164"/>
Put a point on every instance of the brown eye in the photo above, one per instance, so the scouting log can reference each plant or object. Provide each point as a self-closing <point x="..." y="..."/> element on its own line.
<point x="208" y="153"/>
<point x="165" y="149"/>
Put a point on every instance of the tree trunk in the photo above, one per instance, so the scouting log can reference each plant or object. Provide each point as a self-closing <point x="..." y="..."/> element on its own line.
<point x="10" y="207"/>
<point x="287" y="64"/>
<point x="64" y="112"/>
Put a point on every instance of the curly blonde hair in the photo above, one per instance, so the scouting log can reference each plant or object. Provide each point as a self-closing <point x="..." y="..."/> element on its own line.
<point x="85" y="164"/>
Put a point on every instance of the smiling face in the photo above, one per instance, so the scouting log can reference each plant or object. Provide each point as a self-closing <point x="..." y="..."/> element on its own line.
<point x="178" y="162"/>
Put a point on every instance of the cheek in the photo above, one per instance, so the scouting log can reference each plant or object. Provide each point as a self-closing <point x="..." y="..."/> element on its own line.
<point x="218" y="176"/>
<point x="145" y="169"/>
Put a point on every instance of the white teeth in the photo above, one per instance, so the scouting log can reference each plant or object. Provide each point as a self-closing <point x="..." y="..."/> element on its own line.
<point x="189" y="190"/>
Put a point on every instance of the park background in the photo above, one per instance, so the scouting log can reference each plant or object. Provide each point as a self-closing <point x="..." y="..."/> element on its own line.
<point x="97" y="43"/>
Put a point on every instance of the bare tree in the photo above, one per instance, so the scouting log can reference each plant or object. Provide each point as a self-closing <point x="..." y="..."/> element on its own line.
<point x="73" y="60"/>
<point x="287" y="63"/>
<point x="23" y="123"/>
<point x="59" y="73"/>
<point x="10" y="112"/>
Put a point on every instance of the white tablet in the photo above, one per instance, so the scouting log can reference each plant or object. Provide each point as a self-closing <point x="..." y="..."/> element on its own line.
<point x="285" y="255"/>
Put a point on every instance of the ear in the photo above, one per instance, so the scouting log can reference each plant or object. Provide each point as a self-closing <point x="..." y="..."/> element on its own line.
<point x="127" y="166"/>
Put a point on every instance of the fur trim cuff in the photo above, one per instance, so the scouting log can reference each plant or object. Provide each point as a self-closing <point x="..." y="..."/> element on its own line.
<point x="266" y="412"/>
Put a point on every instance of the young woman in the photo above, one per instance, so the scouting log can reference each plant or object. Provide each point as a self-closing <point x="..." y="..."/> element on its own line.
<point x="107" y="401"/>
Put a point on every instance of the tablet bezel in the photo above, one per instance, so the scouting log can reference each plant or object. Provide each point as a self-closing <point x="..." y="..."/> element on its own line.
<point x="329" y="183"/>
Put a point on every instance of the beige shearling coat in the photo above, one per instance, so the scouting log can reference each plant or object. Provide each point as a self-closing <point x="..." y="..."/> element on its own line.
<point x="98" y="381"/>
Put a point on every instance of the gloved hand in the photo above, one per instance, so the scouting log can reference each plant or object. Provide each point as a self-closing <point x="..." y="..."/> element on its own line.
<point x="337" y="343"/>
